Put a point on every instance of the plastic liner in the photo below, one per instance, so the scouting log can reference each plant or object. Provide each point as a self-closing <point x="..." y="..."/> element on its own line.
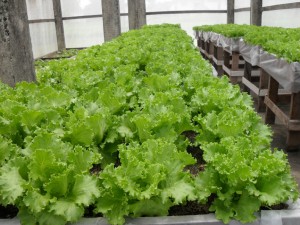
<point x="206" y="36"/>
<point x="215" y="39"/>
<point x="221" y="41"/>
<point x="250" y="53"/>
<point x="286" y="74"/>
<point x="230" y="43"/>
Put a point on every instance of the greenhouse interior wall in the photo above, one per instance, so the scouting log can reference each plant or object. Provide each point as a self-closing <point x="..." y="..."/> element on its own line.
<point x="83" y="22"/>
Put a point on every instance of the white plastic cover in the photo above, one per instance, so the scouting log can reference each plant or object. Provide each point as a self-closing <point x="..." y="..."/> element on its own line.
<point x="81" y="7"/>
<point x="242" y="17"/>
<point x="241" y="4"/>
<point x="188" y="21"/>
<point x="124" y="24"/>
<point x="281" y="18"/>
<point x="276" y="2"/>
<point x="175" y="5"/>
<point x="39" y="9"/>
<point x="43" y="38"/>
<point x="83" y="32"/>
<point x="123" y="6"/>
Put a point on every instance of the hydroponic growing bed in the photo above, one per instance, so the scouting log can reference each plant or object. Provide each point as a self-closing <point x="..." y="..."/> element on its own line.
<point x="111" y="131"/>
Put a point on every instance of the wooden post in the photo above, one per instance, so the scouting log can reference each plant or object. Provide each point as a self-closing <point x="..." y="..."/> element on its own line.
<point x="293" y="137"/>
<point x="111" y="19"/>
<point x="136" y="13"/>
<point x="16" y="57"/>
<point x="273" y="96"/>
<point x="263" y="84"/>
<point x="256" y="12"/>
<point x="230" y="11"/>
<point x="247" y="75"/>
<point x="59" y="25"/>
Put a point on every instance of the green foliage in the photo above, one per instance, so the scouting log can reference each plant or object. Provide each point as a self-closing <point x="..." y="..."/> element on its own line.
<point x="151" y="173"/>
<point x="106" y="130"/>
<point x="283" y="42"/>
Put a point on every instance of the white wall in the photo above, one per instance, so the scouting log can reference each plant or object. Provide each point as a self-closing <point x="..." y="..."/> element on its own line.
<point x="81" y="7"/>
<point x="276" y="2"/>
<point x="83" y="32"/>
<point x="288" y="18"/>
<point x="87" y="32"/>
<point x="188" y="21"/>
<point x="241" y="3"/>
<point x="242" y="17"/>
<point x="43" y="38"/>
<point x="281" y="18"/>
<point x="43" y="35"/>
<point x="174" y="5"/>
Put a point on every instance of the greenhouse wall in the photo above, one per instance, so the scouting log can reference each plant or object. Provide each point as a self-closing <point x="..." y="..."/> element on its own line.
<point x="186" y="17"/>
<point x="83" y="21"/>
<point x="242" y="11"/>
<point x="42" y="29"/>
<point x="282" y="17"/>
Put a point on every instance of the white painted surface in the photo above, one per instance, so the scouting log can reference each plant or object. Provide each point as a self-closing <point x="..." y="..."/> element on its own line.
<point x="43" y="38"/>
<point x="83" y="32"/>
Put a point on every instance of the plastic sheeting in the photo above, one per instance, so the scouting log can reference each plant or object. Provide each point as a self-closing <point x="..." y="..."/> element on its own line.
<point x="188" y="21"/>
<point x="124" y="24"/>
<point x="81" y="7"/>
<point x="175" y="5"/>
<point x="281" y="18"/>
<point x="83" y="32"/>
<point x="276" y="2"/>
<point x="241" y="4"/>
<point x="43" y="38"/>
<point x="286" y="74"/>
<point x="39" y="9"/>
<point x="242" y="17"/>
<point x="123" y="6"/>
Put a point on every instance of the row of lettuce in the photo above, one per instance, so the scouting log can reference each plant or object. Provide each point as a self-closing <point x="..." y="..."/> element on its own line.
<point x="105" y="131"/>
<point x="283" y="42"/>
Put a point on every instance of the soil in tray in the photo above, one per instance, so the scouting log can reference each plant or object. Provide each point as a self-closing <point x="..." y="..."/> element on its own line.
<point x="8" y="212"/>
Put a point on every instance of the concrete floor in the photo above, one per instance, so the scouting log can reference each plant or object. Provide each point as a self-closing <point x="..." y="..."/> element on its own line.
<point x="279" y="141"/>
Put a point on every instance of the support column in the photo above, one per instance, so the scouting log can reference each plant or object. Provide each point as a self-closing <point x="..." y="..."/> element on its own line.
<point x="230" y="11"/>
<point x="111" y="19"/>
<point x="136" y="13"/>
<point x="256" y="12"/>
<point x="16" y="57"/>
<point x="60" y="34"/>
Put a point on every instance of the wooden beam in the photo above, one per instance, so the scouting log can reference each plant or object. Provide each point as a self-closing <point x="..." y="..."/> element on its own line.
<point x="256" y="12"/>
<point x="42" y="21"/>
<point x="136" y="13"/>
<point x="230" y="11"/>
<point x="273" y="97"/>
<point x="246" y="9"/>
<point x="60" y="34"/>
<point x="293" y="5"/>
<point x="111" y="19"/>
<point x="185" y="12"/>
<point x="16" y="57"/>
